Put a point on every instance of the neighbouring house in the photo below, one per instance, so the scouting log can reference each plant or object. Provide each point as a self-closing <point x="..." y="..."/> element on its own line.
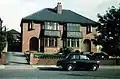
<point x="14" y="40"/>
<point x="50" y="29"/>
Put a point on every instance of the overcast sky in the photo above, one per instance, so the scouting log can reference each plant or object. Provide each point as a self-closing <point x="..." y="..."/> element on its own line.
<point x="12" y="11"/>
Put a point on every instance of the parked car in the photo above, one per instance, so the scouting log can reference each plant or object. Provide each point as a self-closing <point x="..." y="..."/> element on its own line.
<point x="78" y="61"/>
<point x="101" y="55"/>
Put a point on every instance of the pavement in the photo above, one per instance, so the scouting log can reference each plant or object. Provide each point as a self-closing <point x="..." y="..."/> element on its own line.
<point x="46" y="66"/>
<point x="54" y="66"/>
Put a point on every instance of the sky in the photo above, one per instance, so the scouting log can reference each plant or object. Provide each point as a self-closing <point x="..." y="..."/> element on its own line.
<point x="12" y="11"/>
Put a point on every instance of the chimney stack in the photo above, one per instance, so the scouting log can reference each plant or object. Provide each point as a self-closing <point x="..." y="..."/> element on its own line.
<point x="59" y="8"/>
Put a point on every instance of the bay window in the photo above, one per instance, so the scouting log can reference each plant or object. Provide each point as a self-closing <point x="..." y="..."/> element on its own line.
<point x="50" y="42"/>
<point x="51" y="26"/>
<point x="72" y="42"/>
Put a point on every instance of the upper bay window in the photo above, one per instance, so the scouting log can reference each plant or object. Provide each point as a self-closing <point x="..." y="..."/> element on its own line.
<point x="51" y="26"/>
<point x="73" y="27"/>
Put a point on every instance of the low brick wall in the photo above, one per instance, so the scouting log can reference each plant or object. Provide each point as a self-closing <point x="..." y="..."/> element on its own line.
<point x="110" y="62"/>
<point x="42" y="61"/>
<point x="47" y="61"/>
<point x="107" y="62"/>
<point x="3" y="59"/>
<point x="53" y="61"/>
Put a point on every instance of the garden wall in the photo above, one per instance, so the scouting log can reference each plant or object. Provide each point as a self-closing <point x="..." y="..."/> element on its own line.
<point x="53" y="61"/>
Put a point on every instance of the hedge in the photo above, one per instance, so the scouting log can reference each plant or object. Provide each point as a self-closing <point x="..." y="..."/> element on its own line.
<point x="45" y="56"/>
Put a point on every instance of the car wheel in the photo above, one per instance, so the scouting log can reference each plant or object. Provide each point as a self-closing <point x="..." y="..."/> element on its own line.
<point x="94" y="67"/>
<point x="70" y="67"/>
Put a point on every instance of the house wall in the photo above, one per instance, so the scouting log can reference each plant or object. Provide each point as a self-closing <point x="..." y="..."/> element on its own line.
<point x="27" y="35"/>
<point x="89" y="36"/>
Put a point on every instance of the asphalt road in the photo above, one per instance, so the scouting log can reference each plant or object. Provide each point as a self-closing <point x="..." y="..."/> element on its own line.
<point x="55" y="73"/>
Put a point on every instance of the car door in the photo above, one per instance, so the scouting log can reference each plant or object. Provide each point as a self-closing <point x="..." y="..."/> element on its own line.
<point x="83" y="61"/>
<point x="74" y="59"/>
<point x="77" y="61"/>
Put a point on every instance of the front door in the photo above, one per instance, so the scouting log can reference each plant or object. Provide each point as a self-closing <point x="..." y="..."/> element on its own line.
<point x="34" y="43"/>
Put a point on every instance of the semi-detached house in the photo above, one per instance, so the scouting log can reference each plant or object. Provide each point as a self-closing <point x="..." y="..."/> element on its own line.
<point x="50" y="29"/>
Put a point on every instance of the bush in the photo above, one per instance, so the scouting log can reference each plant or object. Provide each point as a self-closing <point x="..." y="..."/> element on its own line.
<point x="77" y="51"/>
<point x="66" y="51"/>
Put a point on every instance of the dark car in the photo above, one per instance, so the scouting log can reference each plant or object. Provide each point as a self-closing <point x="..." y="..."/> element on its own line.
<point x="77" y="61"/>
<point x="101" y="55"/>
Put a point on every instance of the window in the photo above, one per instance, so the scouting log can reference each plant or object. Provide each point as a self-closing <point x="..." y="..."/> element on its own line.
<point x="46" y="42"/>
<point x="72" y="42"/>
<point x="89" y="29"/>
<point x="77" y="43"/>
<point x="73" y="27"/>
<point x="51" y="26"/>
<point x="84" y="57"/>
<point x="50" y="42"/>
<point x="30" y="26"/>
<point x="73" y="57"/>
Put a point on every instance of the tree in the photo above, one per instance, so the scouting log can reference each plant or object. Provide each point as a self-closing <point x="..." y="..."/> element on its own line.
<point x="2" y="39"/>
<point x="109" y="31"/>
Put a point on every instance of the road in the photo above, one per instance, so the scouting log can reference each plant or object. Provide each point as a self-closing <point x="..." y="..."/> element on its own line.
<point x="55" y="73"/>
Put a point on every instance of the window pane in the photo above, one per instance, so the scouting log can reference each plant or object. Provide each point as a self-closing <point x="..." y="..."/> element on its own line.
<point x="55" y="42"/>
<point x="77" y="42"/>
<point x="73" y="27"/>
<point x="74" y="57"/>
<point x="51" y="42"/>
<point x="46" y="42"/>
<point x="68" y="42"/>
<point x="83" y="57"/>
<point x="72" y="43"/>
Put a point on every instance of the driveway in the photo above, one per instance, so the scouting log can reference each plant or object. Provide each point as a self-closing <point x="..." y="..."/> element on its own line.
<point x="16" y="58"/>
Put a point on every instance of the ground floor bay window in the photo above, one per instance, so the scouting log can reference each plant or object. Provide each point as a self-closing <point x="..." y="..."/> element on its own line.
<point x="50" y="42"/>
<point x="72" y="42"/>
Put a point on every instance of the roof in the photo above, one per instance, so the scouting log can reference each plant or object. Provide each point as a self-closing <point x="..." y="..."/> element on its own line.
<point x="49" y="14"/>
<point x="13" y="31"/>
<point x="15" y="34"/>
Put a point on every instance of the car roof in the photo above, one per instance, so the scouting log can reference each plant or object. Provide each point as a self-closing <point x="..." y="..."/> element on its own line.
<point x="76" y="54"/>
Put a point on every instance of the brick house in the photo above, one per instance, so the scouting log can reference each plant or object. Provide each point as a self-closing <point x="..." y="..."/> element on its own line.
<point x="50" y="29"/>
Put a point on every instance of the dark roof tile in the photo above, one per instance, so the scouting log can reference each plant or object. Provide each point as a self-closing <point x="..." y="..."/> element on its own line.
<point x="49" y="14"/>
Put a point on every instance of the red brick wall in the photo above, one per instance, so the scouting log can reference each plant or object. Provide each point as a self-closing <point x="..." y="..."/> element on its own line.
<point x="27" y="35"/>
<point x="89" y="36"/>
<point x="50" y="50"/>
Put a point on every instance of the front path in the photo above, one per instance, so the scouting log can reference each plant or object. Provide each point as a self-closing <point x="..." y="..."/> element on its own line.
<point x="16" y="60"/>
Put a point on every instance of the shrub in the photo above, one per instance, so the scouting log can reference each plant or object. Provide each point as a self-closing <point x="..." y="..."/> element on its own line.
<point x="65" y="51"/>
<point x="45" y="56"/>
<point x="77" y="51"/>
